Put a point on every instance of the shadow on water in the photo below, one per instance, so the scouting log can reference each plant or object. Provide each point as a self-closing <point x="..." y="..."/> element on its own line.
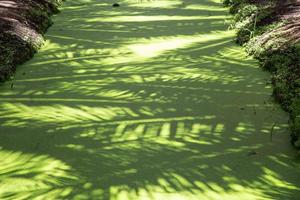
<point x="151" y="100"/>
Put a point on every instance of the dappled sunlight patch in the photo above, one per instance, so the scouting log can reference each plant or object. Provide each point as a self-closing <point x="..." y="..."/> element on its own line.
<point x="153" y="3"/>
<point x="82" y="3"/>
<point x="76" y="147"/>
<point x="59" y="114"/>
<point x="205" y="7"/>
<point x="164" y="128"/>
<point x="278" y="159"/>
<point x="202" y="141"/>
<point x="245" y="128"/>
<point x="65" y="100"/>
<point x="31" y="176"/>
<point x="196" y="191"/>
<point x="233" y="55"/>
<point x="272" y="128"/>
<point x="147" y="18"/>
<point x="156" y="46"/>
<point x="50" y="46"/>
<point x="200" y="127"/>
<point x="276" y="180"/>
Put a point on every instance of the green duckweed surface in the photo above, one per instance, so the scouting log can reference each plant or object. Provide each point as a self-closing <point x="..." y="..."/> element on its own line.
<point x="149" y="100"/>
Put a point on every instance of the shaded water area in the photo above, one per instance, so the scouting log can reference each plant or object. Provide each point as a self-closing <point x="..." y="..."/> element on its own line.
<point x="150" y="100"/>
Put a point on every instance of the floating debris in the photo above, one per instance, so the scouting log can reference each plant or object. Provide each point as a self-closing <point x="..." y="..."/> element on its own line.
<point x="116" y="5"/>
<point x="252" y="153"/>
<point x="254" y="110"/>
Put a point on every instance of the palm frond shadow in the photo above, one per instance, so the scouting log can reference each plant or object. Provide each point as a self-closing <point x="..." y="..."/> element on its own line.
<point x="142" y="102"/>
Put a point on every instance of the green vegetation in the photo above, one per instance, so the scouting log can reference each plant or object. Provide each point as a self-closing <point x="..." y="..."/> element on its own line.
<point x="269" y="39"/>
<point x="151" y="100"/>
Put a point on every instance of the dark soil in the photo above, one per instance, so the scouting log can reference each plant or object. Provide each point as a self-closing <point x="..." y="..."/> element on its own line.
<point x="22" y="24"/>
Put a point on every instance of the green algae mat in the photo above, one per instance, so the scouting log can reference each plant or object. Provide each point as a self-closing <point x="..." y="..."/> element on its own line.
<point x="149" y="100"/>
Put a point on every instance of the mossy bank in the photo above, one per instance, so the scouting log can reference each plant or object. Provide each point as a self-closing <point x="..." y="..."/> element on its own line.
<point x="22" y="25"/>
<point x="270" y="32"/>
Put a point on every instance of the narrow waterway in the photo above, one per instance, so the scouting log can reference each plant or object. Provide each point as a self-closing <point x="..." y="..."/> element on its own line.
<point x="149" y="100"/>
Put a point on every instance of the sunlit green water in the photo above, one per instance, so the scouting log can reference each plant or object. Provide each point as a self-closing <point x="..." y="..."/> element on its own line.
<point x="151" y="100"/>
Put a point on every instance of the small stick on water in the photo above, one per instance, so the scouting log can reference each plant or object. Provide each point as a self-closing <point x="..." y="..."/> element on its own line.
<point x="254" y="108"/>
<point x="272" y="130"/>
<point x="12" y="78"/>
